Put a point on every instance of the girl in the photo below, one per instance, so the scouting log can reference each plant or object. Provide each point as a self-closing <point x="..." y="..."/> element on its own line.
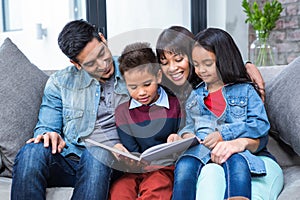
<point x="219" y="64"/>
<point x="174" y="46"/>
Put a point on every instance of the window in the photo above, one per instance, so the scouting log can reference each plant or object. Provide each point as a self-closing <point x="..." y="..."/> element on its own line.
<point x="12" y="15"/>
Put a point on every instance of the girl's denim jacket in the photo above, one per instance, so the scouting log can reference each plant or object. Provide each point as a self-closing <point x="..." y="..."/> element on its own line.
<point x="244" y="117"/>
<point x="70" y="103"/>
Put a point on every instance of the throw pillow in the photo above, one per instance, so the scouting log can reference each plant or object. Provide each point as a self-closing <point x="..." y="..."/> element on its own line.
<point x="1" y="163"/>
<point x="21" y="91"/>
<point x="282" y="103"/>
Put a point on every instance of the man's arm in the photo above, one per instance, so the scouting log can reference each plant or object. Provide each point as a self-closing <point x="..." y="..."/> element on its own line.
<point x="49" y="124"/>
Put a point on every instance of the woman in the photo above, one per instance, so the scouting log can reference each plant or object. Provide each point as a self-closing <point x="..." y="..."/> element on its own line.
<point x="174" y="46"/>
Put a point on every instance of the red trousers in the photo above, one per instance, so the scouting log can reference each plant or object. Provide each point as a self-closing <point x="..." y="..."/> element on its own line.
<point x="156" y="185"/>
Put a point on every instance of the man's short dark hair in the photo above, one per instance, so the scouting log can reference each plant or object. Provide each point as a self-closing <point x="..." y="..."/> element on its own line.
<point x="75" y="36"/>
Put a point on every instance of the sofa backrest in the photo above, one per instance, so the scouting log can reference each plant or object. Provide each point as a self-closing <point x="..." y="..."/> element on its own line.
<point x="278" y="111"/>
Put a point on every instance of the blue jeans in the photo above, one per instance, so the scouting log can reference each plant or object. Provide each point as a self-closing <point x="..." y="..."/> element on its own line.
<point x="187" y="170"/>
<point x="238" y="177"/>
<point x="36" y="168"/>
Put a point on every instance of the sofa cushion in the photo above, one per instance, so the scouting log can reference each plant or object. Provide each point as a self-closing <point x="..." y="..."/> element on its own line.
<point x="21" y="92"/>
<point x="291" y="184"/>
<point x="282" y="103"/>
<point x="54" y="193"/>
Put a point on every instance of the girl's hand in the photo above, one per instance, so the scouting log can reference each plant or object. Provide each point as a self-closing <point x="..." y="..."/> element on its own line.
<point x="173" y="137"/>
<point x="212" y="139"/>
<point x="188" y="135"/>
<point x="224" y="149"/>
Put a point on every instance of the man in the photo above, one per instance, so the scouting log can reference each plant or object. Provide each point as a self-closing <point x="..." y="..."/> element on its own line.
<point x="79" y="102"/>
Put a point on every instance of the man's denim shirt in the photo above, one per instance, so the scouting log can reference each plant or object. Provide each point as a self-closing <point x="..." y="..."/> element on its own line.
<point x="70" y="103"/>
<point x="244" y="117"/>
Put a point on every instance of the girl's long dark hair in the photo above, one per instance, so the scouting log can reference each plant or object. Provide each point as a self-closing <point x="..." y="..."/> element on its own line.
<point x="229" y="60"/>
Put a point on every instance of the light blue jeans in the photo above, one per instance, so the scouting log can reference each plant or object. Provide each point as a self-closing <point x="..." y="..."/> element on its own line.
<point x="188" y="168"/>
<point x="36" y="168"/>
<point x="211" y="182"/>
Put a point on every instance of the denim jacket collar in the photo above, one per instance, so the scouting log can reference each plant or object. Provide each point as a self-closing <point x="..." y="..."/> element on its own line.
<point x="119" y="85"/>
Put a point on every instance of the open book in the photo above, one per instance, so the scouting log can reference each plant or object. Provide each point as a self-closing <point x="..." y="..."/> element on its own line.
<point x="153" y="153"/>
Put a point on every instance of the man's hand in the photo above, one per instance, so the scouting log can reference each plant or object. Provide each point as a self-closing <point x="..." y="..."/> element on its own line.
<point x="256" y="77"/>
<point x="50" y="138"/>
<point x="102" y="38"/>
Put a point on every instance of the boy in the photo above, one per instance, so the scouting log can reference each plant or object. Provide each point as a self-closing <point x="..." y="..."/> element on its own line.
<point x="147" y="119"/>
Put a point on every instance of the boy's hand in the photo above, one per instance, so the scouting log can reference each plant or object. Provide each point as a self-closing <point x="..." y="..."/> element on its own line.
<point x="121" y="148"/>
<point x="212" y="139"/>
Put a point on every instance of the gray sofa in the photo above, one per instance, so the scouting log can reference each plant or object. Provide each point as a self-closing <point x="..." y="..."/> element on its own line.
<point x="22" y="88"/>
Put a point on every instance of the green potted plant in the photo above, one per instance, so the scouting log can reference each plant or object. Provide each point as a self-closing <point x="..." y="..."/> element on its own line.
<point x="263" y="21"/>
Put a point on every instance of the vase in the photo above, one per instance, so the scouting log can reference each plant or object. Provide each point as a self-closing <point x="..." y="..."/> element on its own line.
<point x="262" y="51"/>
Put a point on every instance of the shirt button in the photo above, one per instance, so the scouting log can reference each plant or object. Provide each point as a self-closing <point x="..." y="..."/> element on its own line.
<point x="97" y="94"/>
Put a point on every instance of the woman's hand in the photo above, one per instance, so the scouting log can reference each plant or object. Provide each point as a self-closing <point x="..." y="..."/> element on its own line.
<point x="256" y="77"/>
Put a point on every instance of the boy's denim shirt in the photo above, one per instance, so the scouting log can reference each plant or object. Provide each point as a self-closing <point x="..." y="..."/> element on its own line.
<point x="70" y="103"/>
<point x="244" y="117"/>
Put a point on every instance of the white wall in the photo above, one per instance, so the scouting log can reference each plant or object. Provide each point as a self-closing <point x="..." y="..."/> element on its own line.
<point x="229" y="15"/>
<point x="53" y="15"/>
<point x="128" y="21"/>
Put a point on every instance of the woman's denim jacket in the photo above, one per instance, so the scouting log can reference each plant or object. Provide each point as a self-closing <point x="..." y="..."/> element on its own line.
<point x="244" y="117"/>
<point x="70" y="103"/>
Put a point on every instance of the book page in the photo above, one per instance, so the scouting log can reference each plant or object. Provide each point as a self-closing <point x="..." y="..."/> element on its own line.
<point x="153" y="153"/>
<point x="112" y="149"/>
<point x="162" y="150"/>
